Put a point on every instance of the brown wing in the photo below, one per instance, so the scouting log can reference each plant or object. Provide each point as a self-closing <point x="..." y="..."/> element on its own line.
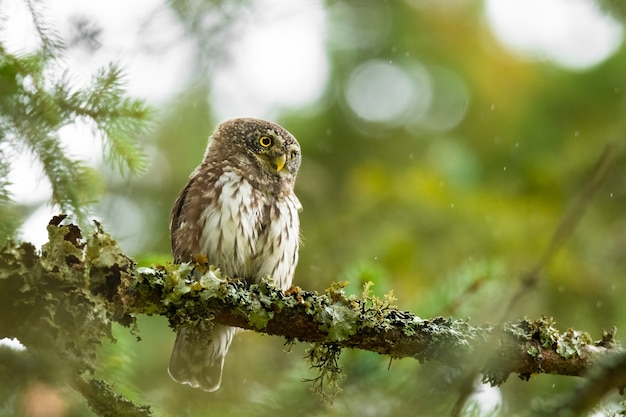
<point x="176" y="218"/>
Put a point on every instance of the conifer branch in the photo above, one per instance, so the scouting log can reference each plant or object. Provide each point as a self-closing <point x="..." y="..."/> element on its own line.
<point x="38" y="97"/>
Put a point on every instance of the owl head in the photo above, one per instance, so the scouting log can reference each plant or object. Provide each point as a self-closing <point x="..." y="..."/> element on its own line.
<point x="259" y="148"/>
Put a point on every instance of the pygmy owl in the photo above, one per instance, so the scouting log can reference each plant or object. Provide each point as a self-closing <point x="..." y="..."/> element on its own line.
<point x="239" y="209"/>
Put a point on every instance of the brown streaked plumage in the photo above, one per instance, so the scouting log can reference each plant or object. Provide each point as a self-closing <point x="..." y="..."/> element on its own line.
<point x="239" y="209"/>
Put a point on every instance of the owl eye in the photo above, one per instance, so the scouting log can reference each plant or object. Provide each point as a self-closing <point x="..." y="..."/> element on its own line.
<point x="265" y="141"/>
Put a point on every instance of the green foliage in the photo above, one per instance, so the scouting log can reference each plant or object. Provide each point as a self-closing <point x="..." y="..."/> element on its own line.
<point x="10" y="219"/>
<point x="38" y="97"/>
<point x="615" y="7"/>
<point x="117" y="363"/>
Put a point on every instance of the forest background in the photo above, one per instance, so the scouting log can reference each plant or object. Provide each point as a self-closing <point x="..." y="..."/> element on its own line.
<point x="440" y="156"/>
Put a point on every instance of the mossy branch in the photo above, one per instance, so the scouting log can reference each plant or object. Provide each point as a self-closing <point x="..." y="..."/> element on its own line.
<point x="524" y="347"/>
<point x="67" y="296"/>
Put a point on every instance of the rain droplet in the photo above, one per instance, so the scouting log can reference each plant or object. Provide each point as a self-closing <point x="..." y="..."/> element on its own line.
<point x="411" y="155"/>
<point x="452" y="205"/>
<point x="517" y="144"/>
<point x="493" y="107"/>
<point x="599" y="304"/>
<point x="576" y="133"/>
<point x="610" y="195"/>
<point x="504" y="168"/>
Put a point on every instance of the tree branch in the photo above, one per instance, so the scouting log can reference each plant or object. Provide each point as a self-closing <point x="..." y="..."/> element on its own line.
<point x="609" y="373"/>
<point x="105" y="402"/>
<point x="68" y="295"/>
<point x="368" y="323"/>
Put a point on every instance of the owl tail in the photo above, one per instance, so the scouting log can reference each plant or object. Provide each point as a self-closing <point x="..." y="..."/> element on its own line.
<point x="198" y="359"/>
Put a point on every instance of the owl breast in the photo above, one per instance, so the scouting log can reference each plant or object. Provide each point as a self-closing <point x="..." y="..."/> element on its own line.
<point x="249" y="234"/>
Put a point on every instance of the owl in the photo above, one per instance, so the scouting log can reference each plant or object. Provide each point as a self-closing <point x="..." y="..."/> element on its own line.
<point x="240" y="210"/>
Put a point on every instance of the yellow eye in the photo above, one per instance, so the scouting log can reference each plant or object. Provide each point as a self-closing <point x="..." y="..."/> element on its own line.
<point x="265" y="141"/>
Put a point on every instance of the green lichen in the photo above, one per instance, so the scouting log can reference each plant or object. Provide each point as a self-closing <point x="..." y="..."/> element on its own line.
<point x="71" y="321"/>
<point x="106" y="263"/>
<point x="548" y="334"/>
<point x="570" y="343"/>
<point x="567" y="344"/>
<point x="324" y="358"/>
<point x="260" y="306"/>
<point x="63" y="253"/>
<point x="104" y="401"/>
<point x="259" y="317"/>
<point x="542" y="330"/>
<point x="409" y="330"/>
<point x="176" y="282"/>
<point x="340" y="322"/>
<point x="534" y="352"/>
<point x="375" y="310"/>
<point x="346" y="315"/>
<point x="103" y="251"/>
<point x="339" y="319"/>
<point x="209" y="283"/>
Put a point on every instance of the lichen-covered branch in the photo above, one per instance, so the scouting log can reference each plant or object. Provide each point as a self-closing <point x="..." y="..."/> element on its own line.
<point x="525" y="347"/>
<point x="67" y="296"/>
<point x="606" y="375"/>
<point x="105" y="402"/>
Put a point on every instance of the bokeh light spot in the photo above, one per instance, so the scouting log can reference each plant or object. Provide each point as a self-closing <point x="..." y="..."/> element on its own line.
<point x="382" y="92"/>
<point x="571" y="33"/>
<point x="450" y="100"/>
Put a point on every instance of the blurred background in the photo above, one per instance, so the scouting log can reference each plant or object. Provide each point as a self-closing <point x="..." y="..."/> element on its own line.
<point x="443" y="143"/>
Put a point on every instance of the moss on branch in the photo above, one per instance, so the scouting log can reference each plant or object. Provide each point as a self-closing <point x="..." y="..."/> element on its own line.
<point x="525" y="347"/>
<point x="67" y="296"/>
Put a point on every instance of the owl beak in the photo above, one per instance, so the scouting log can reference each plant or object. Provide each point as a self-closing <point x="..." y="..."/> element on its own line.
<point x="279" y="162"/>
